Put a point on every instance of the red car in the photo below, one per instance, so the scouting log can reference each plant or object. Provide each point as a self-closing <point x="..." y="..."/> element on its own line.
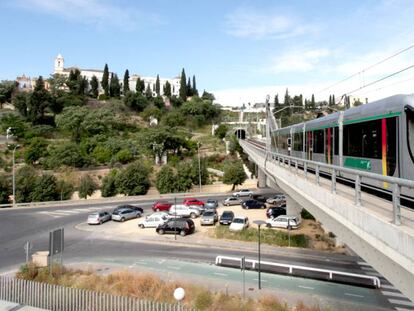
<point x="192" y="201"/>
<point x="161" y="206"/>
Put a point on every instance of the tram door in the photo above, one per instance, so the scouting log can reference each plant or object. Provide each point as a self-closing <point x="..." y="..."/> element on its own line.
<point x="309" y="145"/>
<point x="329" y="145"/>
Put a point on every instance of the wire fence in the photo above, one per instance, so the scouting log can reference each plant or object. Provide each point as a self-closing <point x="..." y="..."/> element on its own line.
<point x="61" y="298"/>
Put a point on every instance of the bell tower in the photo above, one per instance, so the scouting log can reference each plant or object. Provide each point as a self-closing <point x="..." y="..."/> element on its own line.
<point x="59" y="61"/>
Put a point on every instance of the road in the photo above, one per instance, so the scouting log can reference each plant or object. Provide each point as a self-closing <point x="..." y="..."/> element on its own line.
<point x="34" y="224"/>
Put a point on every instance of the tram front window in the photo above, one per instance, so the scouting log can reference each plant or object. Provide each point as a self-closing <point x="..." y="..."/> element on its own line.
<point x="410" y="132"/>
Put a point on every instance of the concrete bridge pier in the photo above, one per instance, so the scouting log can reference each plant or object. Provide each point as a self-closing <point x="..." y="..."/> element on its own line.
<point x="292" y="207"/>
<point x="261" y="178"/>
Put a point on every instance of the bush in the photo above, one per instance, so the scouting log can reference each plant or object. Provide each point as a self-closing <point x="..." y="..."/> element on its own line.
<point x="108" y="188"/>
<point x="124" y="156"/>
<point x="234" y="173"/>
<point x="204" y="300"/>
<point x="166" y="180"/>
<point x="102" y="97"/>
<point x="5" y="189"/>
<point x="64" y="189"/>
<point x="36" y="149"/>
<point x="65" y="154"/>
<point x="87" y="186"/>
<point x="26" y="179"/>
<point x="306" y="215"/>
<point x="221" y="131"/>
<point x="45" y="189"/>
<point x="133" y="180"/>
<point x="102" y="154"/>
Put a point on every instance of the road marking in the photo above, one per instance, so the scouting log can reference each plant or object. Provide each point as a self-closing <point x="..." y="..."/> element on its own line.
<point x="306" y="287"/>
<point x="68" y="211"/>
<point x="354" y="295"/>
<point x="220" y="274"/>
<point x="401" y="302"/>
<point x="260" y="280"/>
<point x="81" y="209"/>
<point x="52" y="214"/>
<point x="175" y="268"/>
<point x="392" y="294"/>
<point x="141" y="263"/>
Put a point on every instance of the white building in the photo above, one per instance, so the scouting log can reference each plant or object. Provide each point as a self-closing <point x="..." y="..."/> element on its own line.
<point x="59" y="68"/>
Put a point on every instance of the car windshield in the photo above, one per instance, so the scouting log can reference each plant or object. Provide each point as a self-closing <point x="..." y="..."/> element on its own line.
<point x="227" y="215"/>
<point x="238" y="221"/>
<point x="211" y="201"/>
<point x="208" y="214"/>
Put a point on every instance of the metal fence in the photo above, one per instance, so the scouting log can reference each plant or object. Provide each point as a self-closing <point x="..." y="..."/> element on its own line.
<point x="61" y="298"/>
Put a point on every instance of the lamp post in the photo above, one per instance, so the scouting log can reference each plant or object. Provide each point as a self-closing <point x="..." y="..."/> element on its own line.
<point x="259" y="223"/>
<point x="199" y="167"/>
<point x="14" y="175"/>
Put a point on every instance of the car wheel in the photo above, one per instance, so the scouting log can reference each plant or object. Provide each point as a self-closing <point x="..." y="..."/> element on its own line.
<point x="247" y="207"/>
<point x="193" y="215"/>
<point x="227" y="204"/>
<point x="122" y="219"/>
<point x="161" y="231"/>
<point x="263" y="206"/>
<point x="182" y="233"/>
<point x="237" y="195"/>
<point x="100" y="222"/>
<point x="141" y="226"/>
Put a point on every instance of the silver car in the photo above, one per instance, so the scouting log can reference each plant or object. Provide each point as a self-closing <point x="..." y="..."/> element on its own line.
<point x="211" y="204"/>
<point x="209" y="217"/>
<point x="98" y="218"/>
<point x="232" y="201"/>
<point x="125" y="214"/>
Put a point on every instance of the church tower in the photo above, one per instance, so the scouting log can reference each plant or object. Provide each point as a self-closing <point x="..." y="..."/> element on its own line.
<point x="59" y="64"/>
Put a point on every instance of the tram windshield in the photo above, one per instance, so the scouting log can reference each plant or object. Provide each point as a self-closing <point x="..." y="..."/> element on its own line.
<point x="410" y="132"/>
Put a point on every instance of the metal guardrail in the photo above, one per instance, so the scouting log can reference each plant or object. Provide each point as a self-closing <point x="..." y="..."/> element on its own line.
<point x="292" y="162"/>
<point x="61" y="298"/>
<point x="291" y="268"/>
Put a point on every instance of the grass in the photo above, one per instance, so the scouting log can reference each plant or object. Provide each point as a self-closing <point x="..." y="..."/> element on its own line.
<point x="151" y="287"/>
<point x="267" y="236"/>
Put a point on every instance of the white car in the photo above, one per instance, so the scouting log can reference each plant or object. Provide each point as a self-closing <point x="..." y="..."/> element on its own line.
<point x="243" y="193"/>
<point x="239" y="223"/>
<point x="284" y="221"/>
<point x="184" y="211"/>
<point x="152" y="221"/>
<point x="159" y="214"/>
<point x="232" y="201"/>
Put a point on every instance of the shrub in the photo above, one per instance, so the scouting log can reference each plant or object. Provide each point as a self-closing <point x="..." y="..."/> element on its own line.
<point x="204" y="300"/>
<point x="5" y="189"/>
<point x="64" y="189"/>
<point x="108" y="188"/>
<point x="306" y="215"/>
<point x="26" y="179"/>
<point x="123" y="156"/>
<point x="221" y="131"/>
<point x="87" y="186"/>
<point x="133" y="180"/>
<point x="36" y="149"/>
<point x="45" y="189"/>
<point x="102" y="154"/>
<point x="65" y="154"/>
<point x="166" y="180"/>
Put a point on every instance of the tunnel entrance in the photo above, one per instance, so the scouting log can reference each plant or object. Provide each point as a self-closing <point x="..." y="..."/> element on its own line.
<point x="240" y="133"/>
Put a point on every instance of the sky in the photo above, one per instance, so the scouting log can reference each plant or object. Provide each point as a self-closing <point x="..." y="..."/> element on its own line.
<point x="240" y="51"/>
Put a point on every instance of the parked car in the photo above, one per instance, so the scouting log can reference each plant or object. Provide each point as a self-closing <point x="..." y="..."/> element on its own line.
<point x="278" y="199"/>
<point x="226" y="218"/>
<point x="239" y="223"/>
<point x="125" y="214"/>
<point x="181" y="226"/>
<point x="161" y="206"/>
<point x="98" y="218"/>
<point x="243" y="193"/>
<point x="192" y="201"/>
<point x="211" y="204"/>
<point x="137" y="208"/>
<point x="152" y="221"/>
<point x="249" y="204"/>
<point x="283" y="222"/>
<point x="232" y="201"/>
<point x="184" y="211"/>
<point x="274" y="212"/>
<point x="159" y="214"/>
<point x="209" y="217"/>
<point x="259" y="197"/>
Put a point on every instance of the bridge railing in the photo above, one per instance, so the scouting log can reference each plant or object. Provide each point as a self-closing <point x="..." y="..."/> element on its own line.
<point x="336" y="173"/>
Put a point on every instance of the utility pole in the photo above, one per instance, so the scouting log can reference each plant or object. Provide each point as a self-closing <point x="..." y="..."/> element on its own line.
<point x="14" y="175"/>
<point x="199" y="167"/>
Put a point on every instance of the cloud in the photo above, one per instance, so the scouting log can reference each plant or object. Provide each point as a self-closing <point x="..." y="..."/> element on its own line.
<point x="296" y="61"/>
<point x="248" y="23"/>
<point x="92" y="12"/>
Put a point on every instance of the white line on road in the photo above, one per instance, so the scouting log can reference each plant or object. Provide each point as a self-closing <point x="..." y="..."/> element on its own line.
<point x="52" y="214"/>
<point x="306" y="287"/>
<point x="68" y="211"/>
<point x="220" y="274"/>
<point x="141" y="263"/>
<point x="386" y="293"/>
<point x="260" y="280"/>
<point x="401" y="302"/>
<point x="354" y="295"/>
<point x="175" y="268"/>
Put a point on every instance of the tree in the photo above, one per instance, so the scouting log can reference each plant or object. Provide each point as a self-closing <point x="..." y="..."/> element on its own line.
<point x="183" y="86"/>
<point x="126" y="82"/>
<point x="20" y="103"/>
<point x="65" y="189"/>
<point x="287" y="100"/>
<point x="7" y="89"/>
<point x="167" y="89"/>
<point x="312" y="103"/>
<point x="195" y="91"/>
<point x="276" y="100"/>
<point x="35" y="150"/>
<point x="173" y="119"/>
<point x="71" y="120"/>
<point x="199" y="171"/>
<point x="151" y="111"/>
<point x="26" y="179"/>
<point x="133" y="180"/>
<point x="108" y="188"/>
<point x="45" y="189"/>
<point x="333" y="100"/>
<point x="221" y="131"/>
<point x="38" y="101"/>
<point x="136" y="101"/>
<point x="166" y="180"/>
<point x="157" y="86"/>
<point x="105" y="80"/>
<point x="140" y="86"/>
<point x="207" y="96"/>
<point x="184" y="177"/>
<point x="114" y="87"/>
<point x="189" y="88"/>
<point x="87" y="186"/>
<point x="94" y="86"/>
<point x="67" y="154"/>
<point x="5" y="189"/>
<point x="234" y="173"/>
<point x="148" y="92"/>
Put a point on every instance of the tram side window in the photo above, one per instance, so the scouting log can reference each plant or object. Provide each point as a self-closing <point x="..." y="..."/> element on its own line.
<point x="391" y="145"/>
<point x="336" y="140"/>
<point x="318" y="141"/>
<point x="410" y="133"/>
<point x="363" y="139"/>
<point x="298" y="141"/>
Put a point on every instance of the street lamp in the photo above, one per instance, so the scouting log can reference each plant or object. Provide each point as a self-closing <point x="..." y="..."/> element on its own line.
<point x="259" y="223"/>
<point x="14" y="175"/>
<point x="199" y="166"/>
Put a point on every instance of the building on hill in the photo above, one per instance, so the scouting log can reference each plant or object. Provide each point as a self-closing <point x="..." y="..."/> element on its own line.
<point x="59" y="68"/>
<point x="27" y="84"/>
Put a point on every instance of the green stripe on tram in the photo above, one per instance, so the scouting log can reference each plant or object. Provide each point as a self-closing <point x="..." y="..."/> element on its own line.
<point x="372" y="118"/>
<point x="361" y="164"/>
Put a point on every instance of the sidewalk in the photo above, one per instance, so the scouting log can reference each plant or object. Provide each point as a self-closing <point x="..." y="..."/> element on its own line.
<point x="8" y="306"/>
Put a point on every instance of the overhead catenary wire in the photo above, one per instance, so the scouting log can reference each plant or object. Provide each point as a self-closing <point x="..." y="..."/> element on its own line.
<point x="367" y="68"/>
